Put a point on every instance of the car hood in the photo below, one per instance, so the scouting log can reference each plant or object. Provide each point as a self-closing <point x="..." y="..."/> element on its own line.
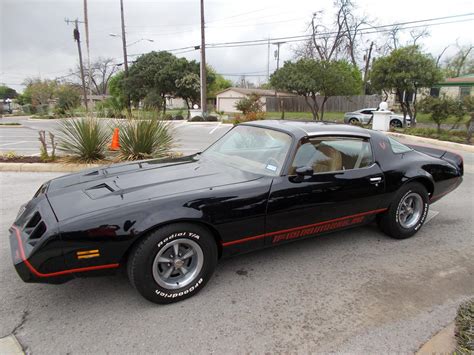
<point x="116" y="185"/>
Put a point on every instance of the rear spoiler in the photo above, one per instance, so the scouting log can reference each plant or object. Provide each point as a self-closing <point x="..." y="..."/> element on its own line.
<point x="450" y="157"/>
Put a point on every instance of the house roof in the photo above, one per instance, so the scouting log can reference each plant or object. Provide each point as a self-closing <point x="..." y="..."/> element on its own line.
<point x="464" y="80"/>
<point x="261" y="92"/>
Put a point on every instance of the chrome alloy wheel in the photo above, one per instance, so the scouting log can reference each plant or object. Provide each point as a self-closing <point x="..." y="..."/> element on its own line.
<point x="410" y="210"/>
<point x="177" y="264"/>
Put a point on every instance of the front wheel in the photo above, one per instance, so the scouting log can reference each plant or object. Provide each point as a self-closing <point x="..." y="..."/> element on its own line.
<point x="407" y="212"/>
<point x="353" y="121"/>
<point x="173" y="262"/>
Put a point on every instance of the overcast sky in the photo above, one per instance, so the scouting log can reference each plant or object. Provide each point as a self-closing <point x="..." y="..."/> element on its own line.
<point x="35" y="41"/>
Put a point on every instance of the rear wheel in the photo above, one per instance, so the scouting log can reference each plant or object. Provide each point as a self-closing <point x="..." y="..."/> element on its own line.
<point x="396" y="124"/>
<point x="173" y="262"/>
<point x="407" y="213"/>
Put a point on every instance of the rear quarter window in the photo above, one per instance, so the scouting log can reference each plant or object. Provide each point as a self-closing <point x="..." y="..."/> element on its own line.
<point x="398" y="147"/>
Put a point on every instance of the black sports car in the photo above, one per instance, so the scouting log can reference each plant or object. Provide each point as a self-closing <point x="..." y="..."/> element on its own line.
<point x="263" y="183"/>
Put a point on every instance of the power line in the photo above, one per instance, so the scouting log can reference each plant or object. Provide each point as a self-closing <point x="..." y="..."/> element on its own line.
<point x="297" y="38"/>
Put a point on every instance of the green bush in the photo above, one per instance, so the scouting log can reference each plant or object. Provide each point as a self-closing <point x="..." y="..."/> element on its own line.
<point x="84" y="139"/>
<point x="250" y="104"/>
<point x="29" y="109"/>
<point x="68" y="98"/>
<point x="110" y="108"/>
<point x="143" y="138"/>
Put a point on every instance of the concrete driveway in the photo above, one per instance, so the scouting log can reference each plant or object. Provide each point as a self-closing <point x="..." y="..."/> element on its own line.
<point x="356" y="291"/>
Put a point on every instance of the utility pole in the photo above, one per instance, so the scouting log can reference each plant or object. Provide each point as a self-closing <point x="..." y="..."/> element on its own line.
<point x="366" y="70"/>
<point x="77" y="38"/>
<point x="86" y="25"/>
<point x="277" y="53"/>
<point x="268" y="60"/>
<point x="203" y="65"/>
<point x="125" y="61"/>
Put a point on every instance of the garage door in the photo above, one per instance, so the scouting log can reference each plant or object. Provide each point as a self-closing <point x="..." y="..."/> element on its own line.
<point x="227" y="104"/>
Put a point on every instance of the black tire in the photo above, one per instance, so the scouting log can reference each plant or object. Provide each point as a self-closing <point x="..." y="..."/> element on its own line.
<point x="390" y="222"/>
<point x="353" y="121"/>
<point x="396" y="123"/>
<point x="143" y="273"/>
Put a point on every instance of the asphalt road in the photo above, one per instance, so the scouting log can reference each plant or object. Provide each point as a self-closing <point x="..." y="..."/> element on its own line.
<point x="356" y="291"/>
<point x="188" y="137"/>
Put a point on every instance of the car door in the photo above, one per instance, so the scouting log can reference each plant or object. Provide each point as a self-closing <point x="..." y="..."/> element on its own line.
<point x="366" y="115"/>
<point x="344" y="189"/>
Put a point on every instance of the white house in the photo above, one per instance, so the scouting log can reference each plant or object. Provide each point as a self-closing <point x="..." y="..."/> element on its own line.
<point x="227" y="99"/>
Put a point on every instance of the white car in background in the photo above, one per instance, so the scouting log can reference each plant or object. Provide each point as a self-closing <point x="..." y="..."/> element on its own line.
<point x="365" y="115"/>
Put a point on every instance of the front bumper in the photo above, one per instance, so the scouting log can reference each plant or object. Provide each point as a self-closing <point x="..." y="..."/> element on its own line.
<point x="31" y="268"/>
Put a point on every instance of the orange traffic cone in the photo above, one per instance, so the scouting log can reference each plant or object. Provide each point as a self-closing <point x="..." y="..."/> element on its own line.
<point x="115" y="140"/>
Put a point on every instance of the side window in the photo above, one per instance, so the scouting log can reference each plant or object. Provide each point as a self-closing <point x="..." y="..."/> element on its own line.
<point x="326" y="154"/>
<point x="367" y="112"/>
<point x="398" y="147"/>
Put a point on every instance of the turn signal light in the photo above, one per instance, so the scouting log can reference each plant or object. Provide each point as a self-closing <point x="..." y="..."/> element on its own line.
<point x="86" y="254"/>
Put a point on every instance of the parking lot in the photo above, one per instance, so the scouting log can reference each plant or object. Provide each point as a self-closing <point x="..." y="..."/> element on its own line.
<point x="353" y="291"/>
<point x="23" y="140"/>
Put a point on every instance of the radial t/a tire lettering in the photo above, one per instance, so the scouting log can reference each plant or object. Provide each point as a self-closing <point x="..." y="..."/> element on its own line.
<point x="172" y="263"/>
<point x="406" y="213"/>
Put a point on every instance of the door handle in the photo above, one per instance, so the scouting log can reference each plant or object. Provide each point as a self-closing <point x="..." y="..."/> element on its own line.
<point x="375" y="180"/>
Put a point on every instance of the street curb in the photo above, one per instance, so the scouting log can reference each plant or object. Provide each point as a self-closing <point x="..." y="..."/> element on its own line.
<point x="9" y="345"/>
<point x="452" y="145"/>
<point x="11" y="126"/>
<point x="442" y="342"/>
<point x="45" y="167"/>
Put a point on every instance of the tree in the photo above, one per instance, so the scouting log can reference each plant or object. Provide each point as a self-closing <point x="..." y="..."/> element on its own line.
<point x="313" y="78"/>
<point x="461" y="63"/>
<point x="68" y="97"/>
<point x="118" y="98"/>
<point x="403" y="72"/>
<point x="189" y="88"/>
<point x="440" y="108"/>
<point x="7" y="92"/>
<point x="161" y="74"/>
<point x="338" y="41"/>
<point x="218" y="84"/>
<point x="38" y="94"/>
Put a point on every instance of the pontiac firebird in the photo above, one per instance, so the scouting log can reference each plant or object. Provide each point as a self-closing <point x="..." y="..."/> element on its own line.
<point x="265" y="183"/>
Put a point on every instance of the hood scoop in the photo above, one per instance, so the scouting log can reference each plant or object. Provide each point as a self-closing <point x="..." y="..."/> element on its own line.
<point x="99" y="191"/>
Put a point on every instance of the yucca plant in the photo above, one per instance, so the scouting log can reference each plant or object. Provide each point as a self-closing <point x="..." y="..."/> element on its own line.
<point x="84" y="139"/>
<point x="144" y="138"/>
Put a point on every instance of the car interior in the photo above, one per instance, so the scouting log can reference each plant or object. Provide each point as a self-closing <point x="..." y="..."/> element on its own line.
<point x="328" y="154"/>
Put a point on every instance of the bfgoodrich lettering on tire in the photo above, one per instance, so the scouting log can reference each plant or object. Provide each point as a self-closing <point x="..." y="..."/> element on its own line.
<point x="173" y="262"/>
<point x="407" y="212"/>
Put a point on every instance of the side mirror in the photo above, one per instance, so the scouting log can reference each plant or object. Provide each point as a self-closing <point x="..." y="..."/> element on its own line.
<point x="304" y="171"/>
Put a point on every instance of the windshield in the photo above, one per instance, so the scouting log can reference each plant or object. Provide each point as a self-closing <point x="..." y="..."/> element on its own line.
<point x="252" y="149"/>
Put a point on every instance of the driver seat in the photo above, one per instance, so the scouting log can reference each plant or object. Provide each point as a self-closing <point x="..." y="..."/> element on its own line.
<point x="333" y="161"/>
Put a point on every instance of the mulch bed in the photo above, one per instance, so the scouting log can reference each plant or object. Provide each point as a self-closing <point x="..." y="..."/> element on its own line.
<point x="20" y="160"/>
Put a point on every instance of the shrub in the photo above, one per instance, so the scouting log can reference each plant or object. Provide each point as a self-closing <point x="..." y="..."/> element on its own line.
<point x="464" y="332"/>
<point x="440" y="108"/>
<point x="85" y="139"/>
<point x="110" y="108"/>
<point x="249" y="104"/>
<point x="251" y="116"/>
<point x="179" y="117"/>
<point x="211" y="118"/>
<point x="197" y="119"/>
<point x="68" y="97"/>
<point x="142" y="139"/>
<point x="167" y="117"/>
